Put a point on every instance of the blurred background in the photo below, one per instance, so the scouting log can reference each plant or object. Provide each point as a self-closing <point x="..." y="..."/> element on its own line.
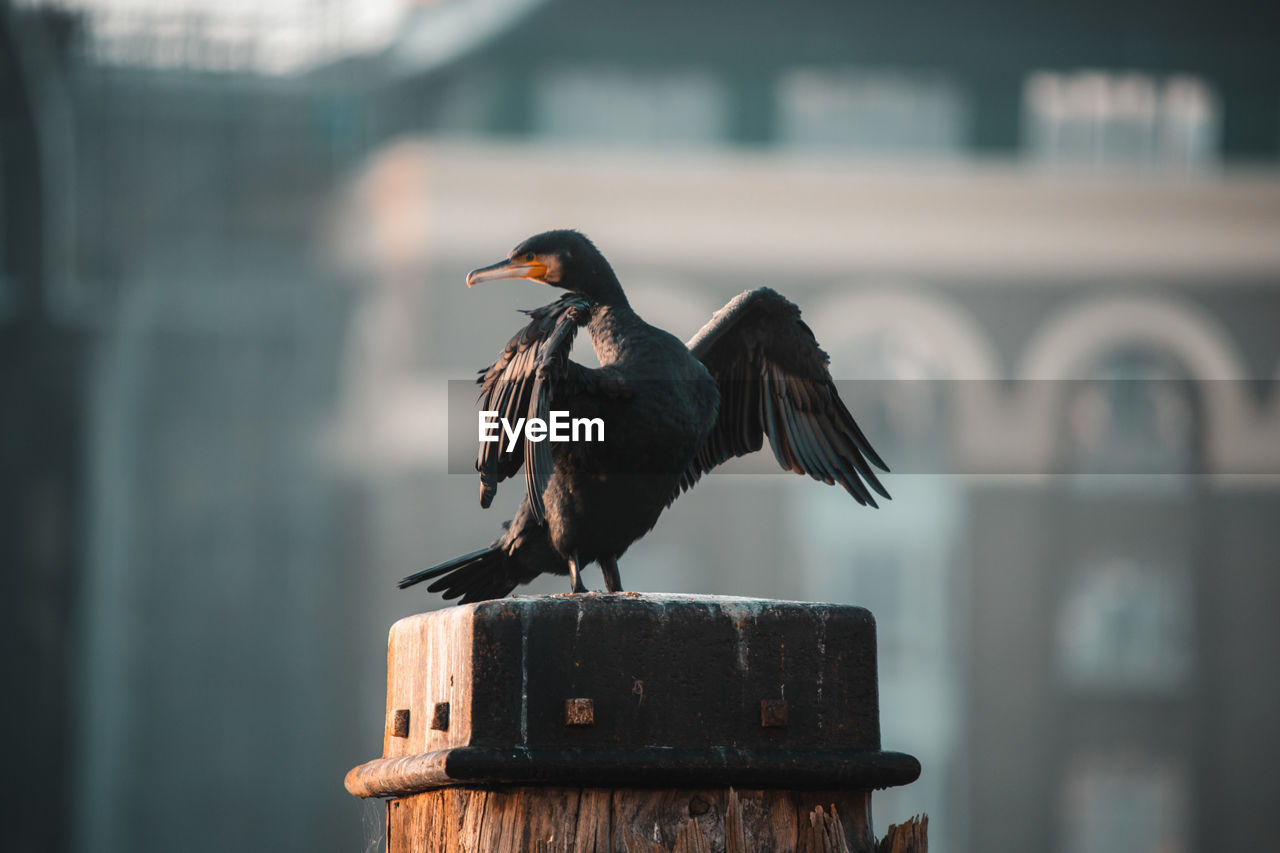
<point x="233" y="237"/>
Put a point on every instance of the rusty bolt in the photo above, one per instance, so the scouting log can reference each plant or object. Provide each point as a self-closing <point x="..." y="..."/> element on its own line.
<point x="579" y="712"/>
<point x="440" y="717"/>
<point x="400" y="723"/>
<point x="699" y="806"/>
<point x="773" y="713"/>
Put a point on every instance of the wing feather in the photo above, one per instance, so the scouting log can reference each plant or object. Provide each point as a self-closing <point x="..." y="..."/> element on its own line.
<point x="774" y="381"/>
<point x="532" y="372"/>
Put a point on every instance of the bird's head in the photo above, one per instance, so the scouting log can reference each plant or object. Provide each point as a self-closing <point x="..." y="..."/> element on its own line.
<point x="562" y="258"/>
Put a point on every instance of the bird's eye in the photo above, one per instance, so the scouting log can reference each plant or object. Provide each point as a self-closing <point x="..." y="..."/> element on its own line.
<point x="528" y="256"/>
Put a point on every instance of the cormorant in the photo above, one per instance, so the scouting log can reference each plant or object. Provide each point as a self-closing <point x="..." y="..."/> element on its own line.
<point x="672" y="413"/>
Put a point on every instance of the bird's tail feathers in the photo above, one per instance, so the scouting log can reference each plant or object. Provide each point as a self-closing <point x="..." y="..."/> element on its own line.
<point x="478" y="576"/>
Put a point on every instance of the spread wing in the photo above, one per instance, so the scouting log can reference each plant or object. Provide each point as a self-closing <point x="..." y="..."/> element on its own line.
<point x="532" y="371"/>
<point x="774" y="381"/>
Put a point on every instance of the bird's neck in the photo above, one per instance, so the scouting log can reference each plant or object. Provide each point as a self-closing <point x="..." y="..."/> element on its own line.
<point x="612" y="328"/>
<point x="605" y="290"/>
<point x="611" y="315"/>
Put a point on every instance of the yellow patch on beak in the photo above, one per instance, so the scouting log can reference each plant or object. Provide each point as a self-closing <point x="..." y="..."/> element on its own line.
<point x="534" y="270"/>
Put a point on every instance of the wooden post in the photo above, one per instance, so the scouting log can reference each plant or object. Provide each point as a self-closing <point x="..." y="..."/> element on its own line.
<point x="624" y="723"/>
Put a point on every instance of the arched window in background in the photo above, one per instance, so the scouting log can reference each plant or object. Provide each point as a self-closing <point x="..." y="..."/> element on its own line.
<point x="1135" y="425"/>
<point x="1132" y="448"/>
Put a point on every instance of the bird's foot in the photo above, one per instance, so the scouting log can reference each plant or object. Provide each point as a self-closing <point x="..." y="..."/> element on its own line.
<point x="612" y="578"/>
<point x="575" y="577"/>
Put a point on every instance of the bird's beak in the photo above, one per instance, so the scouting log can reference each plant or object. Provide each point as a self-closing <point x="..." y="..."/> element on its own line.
<point x="533" y="270"/>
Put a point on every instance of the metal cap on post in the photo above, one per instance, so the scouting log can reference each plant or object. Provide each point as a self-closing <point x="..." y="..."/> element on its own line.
<point x="629" y="693"/>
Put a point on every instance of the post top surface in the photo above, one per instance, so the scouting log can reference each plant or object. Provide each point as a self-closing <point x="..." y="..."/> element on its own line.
<point x="602" y="603"/>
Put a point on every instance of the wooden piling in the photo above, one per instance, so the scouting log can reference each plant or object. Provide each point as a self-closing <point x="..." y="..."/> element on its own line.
<point x="626" y="723"/>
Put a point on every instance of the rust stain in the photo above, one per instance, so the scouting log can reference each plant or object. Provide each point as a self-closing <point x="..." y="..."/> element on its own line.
<point x="400" y="723"/>
<point x="440" y="717"/>
<point x="579" y="712"/>
<point x="773" y="713"/>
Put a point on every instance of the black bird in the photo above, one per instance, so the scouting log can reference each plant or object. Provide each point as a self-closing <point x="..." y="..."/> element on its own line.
<point x="671" y="412"/>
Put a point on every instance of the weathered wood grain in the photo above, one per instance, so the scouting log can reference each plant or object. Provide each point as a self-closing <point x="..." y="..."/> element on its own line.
<point x="824" y="834"/>
<point x="909" y="837"/>
<point x="429" y="661"/>
<point x="690" y="839"/>
<point x="735" y="833"/>
<point x="630" y="820"/>
<point x="593" y="828"/>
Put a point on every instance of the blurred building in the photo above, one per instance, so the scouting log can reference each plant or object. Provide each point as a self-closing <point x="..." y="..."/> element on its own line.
<point x="42" y="372"/>
<point x="260" y="275"/>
